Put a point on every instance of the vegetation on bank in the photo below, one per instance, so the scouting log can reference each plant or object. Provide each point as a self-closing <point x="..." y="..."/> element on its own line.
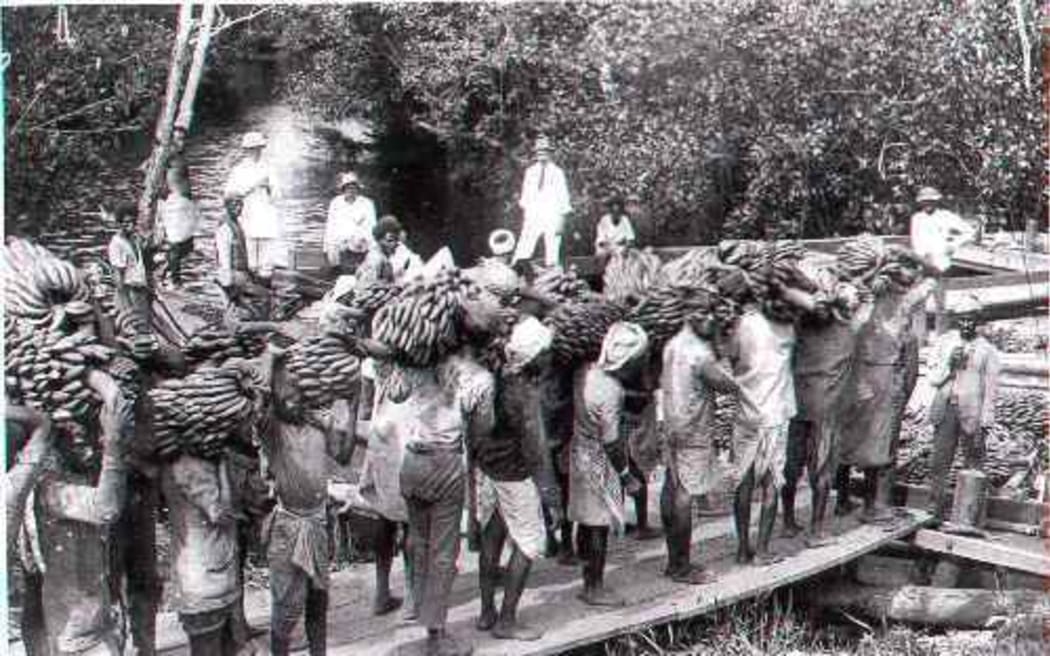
<point x="765" y="118"/>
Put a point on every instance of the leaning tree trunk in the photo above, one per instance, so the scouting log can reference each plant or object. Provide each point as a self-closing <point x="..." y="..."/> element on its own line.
<point x="200" y="54"/>
<point x="154" y="168"/>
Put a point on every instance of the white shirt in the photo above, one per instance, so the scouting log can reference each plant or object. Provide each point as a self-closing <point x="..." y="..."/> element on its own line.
<point x="127" y="257"/>
<point x="223" y="251"/>
<point x="936" y="235"/>
<point x="762" y="367"/>
<point x="545" y="194"/>
<point x="250" y="181"/>
<point x="348" y="222"/>
<point x="179" y="216"/>
<point x="608" y="234"/>
<point x="405" y="262"/>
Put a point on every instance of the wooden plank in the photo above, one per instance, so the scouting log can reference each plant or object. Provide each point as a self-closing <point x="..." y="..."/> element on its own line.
<point x="1000" y="508"/>
<point x="1035" y="278"/>
<point x="985" y="551"/>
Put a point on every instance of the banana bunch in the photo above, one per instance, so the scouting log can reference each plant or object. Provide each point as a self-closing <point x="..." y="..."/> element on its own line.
<point x="47" y="369"/>
<point x="1023" y="412"/>
<point x="201" y="413"/>
<point x="325" y="368"/>
<point x="213" y="314"/>
<point x="689" y="269"/>
<point x="579" y="329"/>
<point x="629" y="273"/>
<point x="561" y="285"/>
<point x="1011" y="340"/>
<point x="41" y="288"/>
<point x="423" y="322"/>
<point x="861" y="254"/>
<point x="664" y="309"/>
<point x="371" y="298"/>
<point x="133" y="332"/>
<point x="211" y="345"/>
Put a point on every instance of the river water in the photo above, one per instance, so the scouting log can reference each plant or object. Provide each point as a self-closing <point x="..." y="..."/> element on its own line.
<point x="304" y="165"/>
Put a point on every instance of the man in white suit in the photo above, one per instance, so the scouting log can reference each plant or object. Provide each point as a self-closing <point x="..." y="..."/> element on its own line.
<point x="545" y="203"/>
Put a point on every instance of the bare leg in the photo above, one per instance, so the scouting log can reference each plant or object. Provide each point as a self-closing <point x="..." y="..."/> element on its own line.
<point x="386" y="545"/>
<point x="742" y="517"/>
<point x="798" y="437"/>
<point x="508" y="627"/>
<point x="493" y="536"/>
<point x="767" y="520"/>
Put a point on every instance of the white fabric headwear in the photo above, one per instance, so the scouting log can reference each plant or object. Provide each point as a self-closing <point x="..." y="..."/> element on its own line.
<point x="528" y="341"/>
<point x="623" y="344"/>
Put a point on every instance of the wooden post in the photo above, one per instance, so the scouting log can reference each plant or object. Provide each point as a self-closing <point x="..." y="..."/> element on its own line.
<point x="200" y="54"/>
<point x="969" y="503"/>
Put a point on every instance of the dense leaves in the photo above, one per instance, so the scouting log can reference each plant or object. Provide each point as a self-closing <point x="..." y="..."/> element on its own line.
<point x="761" y="118"/>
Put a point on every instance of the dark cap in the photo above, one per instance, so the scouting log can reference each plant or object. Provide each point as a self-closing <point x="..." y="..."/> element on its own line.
<point x="386" y="225"/>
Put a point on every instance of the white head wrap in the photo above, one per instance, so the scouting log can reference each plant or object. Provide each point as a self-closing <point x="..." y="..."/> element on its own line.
<point x="623" y="344"/>
<point x="528" y="341"/>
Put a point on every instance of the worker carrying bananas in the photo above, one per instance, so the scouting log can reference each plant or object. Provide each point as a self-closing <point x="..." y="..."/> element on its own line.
<point x="869" y="421"/>
<point x="936" y="234"/>
<point x="545" y="204"/>
<point x="822" y="367"/>
<point x="599" y="473"/>
<point x="965" y="375"/>
<point x="511" y="471"/>
<point x="690" y="377"/>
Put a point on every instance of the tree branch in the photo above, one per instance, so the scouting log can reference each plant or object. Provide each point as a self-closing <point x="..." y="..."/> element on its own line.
<point x="200" y="53"/>
<point x="225" y="24"/>
<point x="1026" y="44"/>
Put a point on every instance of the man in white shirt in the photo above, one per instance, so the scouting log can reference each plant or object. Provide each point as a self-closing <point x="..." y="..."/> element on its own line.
<point x="348" y="230"/>
<point x="545" y="203"/>
<point x="249" y="182"/>
<point x="614" y="229"/>
<point x="936" y="233"/>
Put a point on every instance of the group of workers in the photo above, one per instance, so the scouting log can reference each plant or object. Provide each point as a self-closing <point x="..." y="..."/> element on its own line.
<point x="540" y="459"/>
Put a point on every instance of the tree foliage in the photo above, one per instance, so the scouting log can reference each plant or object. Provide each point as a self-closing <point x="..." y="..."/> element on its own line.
<point x="758" y="118"/>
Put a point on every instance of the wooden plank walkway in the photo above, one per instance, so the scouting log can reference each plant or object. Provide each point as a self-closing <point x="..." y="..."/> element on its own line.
<point x="1017" y="552"/>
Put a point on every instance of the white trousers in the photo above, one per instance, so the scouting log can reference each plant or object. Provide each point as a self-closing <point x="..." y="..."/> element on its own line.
<point x="531" y="232"/>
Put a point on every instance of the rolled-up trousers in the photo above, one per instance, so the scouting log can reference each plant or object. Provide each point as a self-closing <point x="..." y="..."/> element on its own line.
<point x="434" y="487"/>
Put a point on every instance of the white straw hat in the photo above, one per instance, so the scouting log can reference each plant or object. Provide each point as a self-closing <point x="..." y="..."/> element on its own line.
<point x="253" y="140"/>
<point x="501" y="242"/>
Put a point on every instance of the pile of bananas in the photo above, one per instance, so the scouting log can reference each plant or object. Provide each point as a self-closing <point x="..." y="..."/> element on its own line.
<point x="325" y="368"/>
<point x="561" y="285"/>
<point x="212" y="345"/>
<point x="664" y="309"/>
<point x="201" y="413"/>
<point x="629" y="273"/>
<point x="213" y="314"/>
<point x="1012" y="340"/>
<point x="1019" y="430"/>
<point x="41" y="289"/>
<point x="422" y="324"/>
<point x="579" y="329"/>
<point x="47" y="369"/>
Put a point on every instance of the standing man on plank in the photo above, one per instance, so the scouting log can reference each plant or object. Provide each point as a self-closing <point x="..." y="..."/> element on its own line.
<point x="508" y="460"/>
<point x="691" y="375"/>
<point x="544" y="201"/>
<point x="250" y="183"/>
<point x="823" y="368"/>
<point x="936" y="234"/>
<point x="966" y="377"/>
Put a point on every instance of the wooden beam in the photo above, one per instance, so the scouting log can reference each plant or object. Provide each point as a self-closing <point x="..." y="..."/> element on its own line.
<point x="1000" y="508"/>
<point x="984" y="551"/>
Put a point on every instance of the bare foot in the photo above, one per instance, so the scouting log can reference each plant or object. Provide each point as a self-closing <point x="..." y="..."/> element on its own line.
<point x="568" y="559"/>
<point x="877" y="515"/>
<point x="744" y="556"/>
<point x="695" y="575"/>
<point x="516" y="631"/>
<point x="386" y="606"/>
<point x="791" y="529"/>
<point x="601" y="597"/>
<point x="486" y="620"/>
<point x="821" y="539"/>
<point x="647" y="533"/>
<point x="767" y="558"/>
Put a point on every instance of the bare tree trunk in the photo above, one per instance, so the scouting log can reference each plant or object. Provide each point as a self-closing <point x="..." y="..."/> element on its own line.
<point x="154" y="168"/>
<point x="200" y="53"/>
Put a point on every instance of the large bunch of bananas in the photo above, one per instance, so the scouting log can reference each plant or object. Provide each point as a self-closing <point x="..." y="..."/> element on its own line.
<point x="212" y="345"/>
<point x="134" y="333"/>
<point x="369" y="299"/>
<point x="325" y="368"/>
<point x="1023" y="412"/>
<point x="579" y="329"/>
<point x="629" y="273"/>
<point x="690" y="269"/>
<point x="861" y="255"/>
<point x="664" y="309"/>
<point x="201" y="413"/>
<point x="48" y="370"/>
<point x="1011" y="340"/>
<point x="422" y="324"/>
<point x="41" y="289"/>
<point x="561" y="285"/>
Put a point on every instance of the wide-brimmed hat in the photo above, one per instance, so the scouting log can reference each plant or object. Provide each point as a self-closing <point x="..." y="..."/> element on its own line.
<point x="928" y="194"/>
<point x="501" y="242"/>
<point x="253" y="140"/>
<point x="967" y="306"/>
<point x="348" y="178"/>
